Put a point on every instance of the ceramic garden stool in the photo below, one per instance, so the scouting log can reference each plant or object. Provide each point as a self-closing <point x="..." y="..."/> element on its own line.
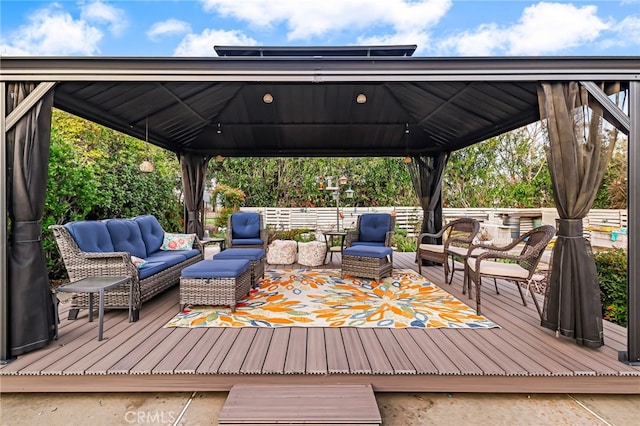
<point x="282" y="252"/>
<point x="312" y="253"/>
<point x="367" y="261"/>
<point x="215" y="282"/>
<point x="254" y="255"/>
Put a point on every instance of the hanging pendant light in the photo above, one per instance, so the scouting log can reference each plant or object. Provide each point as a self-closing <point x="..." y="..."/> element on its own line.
<point x="147" y="166"/>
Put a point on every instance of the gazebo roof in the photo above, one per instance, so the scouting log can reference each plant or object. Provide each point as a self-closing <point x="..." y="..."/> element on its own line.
<point x="219" y="105"/>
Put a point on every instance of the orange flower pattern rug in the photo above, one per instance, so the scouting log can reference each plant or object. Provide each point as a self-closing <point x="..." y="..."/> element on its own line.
<point x="321" y="298"/>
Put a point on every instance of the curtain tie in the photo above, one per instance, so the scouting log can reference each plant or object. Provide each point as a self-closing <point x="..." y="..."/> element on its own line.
<point x="192" y="215"/>
<point x="26" y="231"/>
<point x="570" y="228"/>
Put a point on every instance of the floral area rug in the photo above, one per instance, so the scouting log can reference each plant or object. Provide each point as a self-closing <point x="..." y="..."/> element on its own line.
<point x="321" y="298"/>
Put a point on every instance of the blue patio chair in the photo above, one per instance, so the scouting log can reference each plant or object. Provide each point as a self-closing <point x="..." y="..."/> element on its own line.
<point x="372" y="229"/>
<point x="246" y="230"/>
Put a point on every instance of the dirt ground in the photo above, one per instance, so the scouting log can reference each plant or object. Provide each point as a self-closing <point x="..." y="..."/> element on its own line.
<point x="396" y="409"/>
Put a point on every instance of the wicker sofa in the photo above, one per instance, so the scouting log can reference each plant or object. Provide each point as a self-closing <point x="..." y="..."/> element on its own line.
<point x="114" y="247"/>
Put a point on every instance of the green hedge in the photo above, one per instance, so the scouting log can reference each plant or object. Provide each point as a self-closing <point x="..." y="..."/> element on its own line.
<point x="612" y="274"/>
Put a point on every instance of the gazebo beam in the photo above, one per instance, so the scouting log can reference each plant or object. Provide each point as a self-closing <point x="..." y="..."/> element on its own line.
<point x="611" y="111"/>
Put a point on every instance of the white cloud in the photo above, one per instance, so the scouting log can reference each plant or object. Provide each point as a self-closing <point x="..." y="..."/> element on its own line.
<point x="202" y="44"/>
<point x="543" y="29"/>
<point x="625" y="33"/>
<point x="50" y="31"/>
<point x="168" y="28"/>
<point x="311" y="18"/>
<point x="102" y="13"/>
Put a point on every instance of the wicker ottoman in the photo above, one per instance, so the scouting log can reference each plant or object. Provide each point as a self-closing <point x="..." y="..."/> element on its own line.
<point x="215" y="282"/>
<point x="367" y="261"/>
<point x="312" y="253"/>
<point x="282" y="252"/>
<point x="254" y="255"/>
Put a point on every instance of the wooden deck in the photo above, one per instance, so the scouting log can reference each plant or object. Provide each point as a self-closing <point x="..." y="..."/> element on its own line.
<point x="520" y="356"/>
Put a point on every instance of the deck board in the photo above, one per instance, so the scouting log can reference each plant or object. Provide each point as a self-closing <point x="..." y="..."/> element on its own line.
<point x="520" y="356"/>
<point x="277" y="351"/>
<point x="316" y="352"/>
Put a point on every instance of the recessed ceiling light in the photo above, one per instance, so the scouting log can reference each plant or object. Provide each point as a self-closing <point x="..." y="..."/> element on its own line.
<point x="267" y="98"/>
<point x="361" y="98"/>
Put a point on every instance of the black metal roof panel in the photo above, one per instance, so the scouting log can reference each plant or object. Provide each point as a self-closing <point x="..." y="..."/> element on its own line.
<point x="315" y="51"/>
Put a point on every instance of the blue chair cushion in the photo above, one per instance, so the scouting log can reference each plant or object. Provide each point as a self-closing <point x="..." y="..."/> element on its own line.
<point x="246" y="242"/>
<point x="374" y="227"/>
<point x="152" y="232"/>
<point x="91" y="236"/>
<point x="126" y="236"/>
<point x="368" y="251"/>
<point x="368" y="243"/>
<point x="169" y="258"/>
<point x="151" y="268"/>
<point x="228" y="268"/>
<point x="240" y="253"/>
<point x="245" y="225"/>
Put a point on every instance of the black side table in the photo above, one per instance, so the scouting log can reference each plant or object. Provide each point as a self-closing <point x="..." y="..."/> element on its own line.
<point x="215" y="240"/>
<point x="97" y="285"/>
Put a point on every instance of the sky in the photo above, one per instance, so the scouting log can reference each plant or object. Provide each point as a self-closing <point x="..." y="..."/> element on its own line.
<point x="439" y="28"/>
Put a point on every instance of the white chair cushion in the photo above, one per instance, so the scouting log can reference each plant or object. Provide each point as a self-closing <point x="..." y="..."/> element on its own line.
<point x="507" y="270"/>
<point x="461" y="251"/>
<point x="436" y="248"/>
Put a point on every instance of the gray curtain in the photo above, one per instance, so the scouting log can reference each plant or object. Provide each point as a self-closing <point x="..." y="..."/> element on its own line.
<point x="194" y="172"/>
<point x="31" y="305"/>
<point x="426" y="175"/>
<point x="578" y="158"/>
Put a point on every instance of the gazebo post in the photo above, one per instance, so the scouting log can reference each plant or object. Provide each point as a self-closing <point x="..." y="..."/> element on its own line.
<point x="4" y="263"/>
<point x="632" y="355"/>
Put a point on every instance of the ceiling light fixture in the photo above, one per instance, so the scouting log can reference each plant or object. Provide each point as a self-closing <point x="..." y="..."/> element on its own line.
<point x="361" y="98"/>
<point x="219" y="158"/>
<point x="406" y="128"/>
<point x="219" y="131"/>
<point x="267" y="98"/>
<point x="407" y="160"/>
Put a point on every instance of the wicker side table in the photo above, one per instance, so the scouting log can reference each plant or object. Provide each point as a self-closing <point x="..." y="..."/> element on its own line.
<point x="367" y="261"/>
<point x="215" y="282"/>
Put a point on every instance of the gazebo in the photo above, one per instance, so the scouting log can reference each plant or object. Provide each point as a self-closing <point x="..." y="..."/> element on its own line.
<point x="340" y="102"/>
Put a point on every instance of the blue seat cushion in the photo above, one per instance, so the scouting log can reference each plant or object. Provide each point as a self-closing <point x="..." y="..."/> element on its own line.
<point x="126" y="236"/>
<point x="240" y="253"/>
<point x="91" y="236"/>
<point x="245" y="225"/>
<point x="368" y="251"/>
<point x="151" y="268"/>
<point x="169" y="258"/>
<point x="368" y="243"/>
<point x="247" y="241"/>
<point x="228" y="268"/>
<point x="374" y="227"/>
<point x="188" y="254"/>
<point x="152" y="232"/>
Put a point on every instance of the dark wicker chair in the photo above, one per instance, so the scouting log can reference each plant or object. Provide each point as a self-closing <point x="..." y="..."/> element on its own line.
<point x="520" y="267"/>
<point x="459" y="232"/>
